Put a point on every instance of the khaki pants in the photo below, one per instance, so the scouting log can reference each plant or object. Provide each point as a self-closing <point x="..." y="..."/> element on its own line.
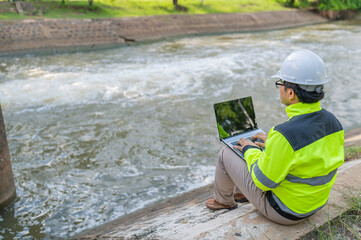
<point x="232" y="173"/>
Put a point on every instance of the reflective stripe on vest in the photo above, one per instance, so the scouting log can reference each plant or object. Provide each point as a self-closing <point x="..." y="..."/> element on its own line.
<point x="263" y="178"/>
<point x="314" y="181"/>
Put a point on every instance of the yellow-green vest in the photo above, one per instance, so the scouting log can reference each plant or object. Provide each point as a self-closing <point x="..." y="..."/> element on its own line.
<point x="300" y="160"/>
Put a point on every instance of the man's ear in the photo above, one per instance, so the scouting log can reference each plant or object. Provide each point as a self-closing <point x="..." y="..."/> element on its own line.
<point x="292" y="97"/>
<point x="291" y="94"/>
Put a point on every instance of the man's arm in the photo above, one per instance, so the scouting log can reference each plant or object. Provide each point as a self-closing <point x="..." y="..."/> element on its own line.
<point x="270" y="167"/>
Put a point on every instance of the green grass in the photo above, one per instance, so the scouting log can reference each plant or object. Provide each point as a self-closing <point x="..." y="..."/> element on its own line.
<point x="130" y="8"/>
<point x="352" y="152"/>
<point x="346" y="226"/>
<point x="10" y="16"/>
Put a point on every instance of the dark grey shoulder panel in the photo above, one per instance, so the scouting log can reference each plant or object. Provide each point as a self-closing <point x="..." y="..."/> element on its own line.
<point x="303" y="130"/>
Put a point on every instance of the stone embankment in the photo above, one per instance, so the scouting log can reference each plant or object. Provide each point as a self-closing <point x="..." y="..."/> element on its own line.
<point x="53" y="35"/>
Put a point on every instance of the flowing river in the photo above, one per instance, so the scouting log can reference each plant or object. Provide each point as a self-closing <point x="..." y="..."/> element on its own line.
<point x="96" y="135"/>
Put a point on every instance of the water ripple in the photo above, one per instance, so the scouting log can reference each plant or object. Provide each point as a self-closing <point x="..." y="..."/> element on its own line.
<point x="97" y="135"/>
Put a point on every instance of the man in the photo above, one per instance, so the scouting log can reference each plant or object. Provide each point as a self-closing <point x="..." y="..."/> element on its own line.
<point x="292" y="177"/>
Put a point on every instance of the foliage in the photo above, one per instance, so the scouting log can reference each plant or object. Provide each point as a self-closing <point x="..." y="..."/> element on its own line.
<point x="303" y="3"/>
<point x="339" y="5"/>
<point x="295" y="3"/>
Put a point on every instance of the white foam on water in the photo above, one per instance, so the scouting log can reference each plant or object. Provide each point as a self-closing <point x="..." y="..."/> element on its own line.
<point x="41" y="88"/>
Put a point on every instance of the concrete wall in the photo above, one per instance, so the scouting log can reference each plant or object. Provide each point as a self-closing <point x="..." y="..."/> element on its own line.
<point x="7" y="184"/>
<point x="22" y="36"/>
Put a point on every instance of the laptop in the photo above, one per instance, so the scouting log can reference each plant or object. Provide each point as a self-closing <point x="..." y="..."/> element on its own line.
<point x="236" y="119"/>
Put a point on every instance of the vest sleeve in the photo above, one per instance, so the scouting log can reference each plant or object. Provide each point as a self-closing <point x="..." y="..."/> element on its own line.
<point x="270" y="167"/>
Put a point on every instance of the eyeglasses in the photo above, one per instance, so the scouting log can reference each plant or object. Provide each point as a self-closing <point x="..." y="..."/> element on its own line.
<point x="279" y="83"/>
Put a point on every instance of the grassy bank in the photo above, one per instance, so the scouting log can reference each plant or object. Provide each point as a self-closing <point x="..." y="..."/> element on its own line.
<point x="130" y="8"/>
<point x="352" y="152"/>
<point x="345" y="226"/>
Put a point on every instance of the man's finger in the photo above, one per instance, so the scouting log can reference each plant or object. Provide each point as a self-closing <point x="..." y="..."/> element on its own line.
<point x="238" y="147"/>
<point x="244" y="142"/>
<point x="257" y="135"/>
<point x="260" y="144"/>
<point x="261" y="136"/>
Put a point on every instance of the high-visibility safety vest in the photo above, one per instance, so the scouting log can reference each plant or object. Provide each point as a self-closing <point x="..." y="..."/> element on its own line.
<point x="299" y="164"/>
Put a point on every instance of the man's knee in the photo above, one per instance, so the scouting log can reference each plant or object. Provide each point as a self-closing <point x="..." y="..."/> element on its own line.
<point x="226" y="155"/>
<point x="222" y="153"/>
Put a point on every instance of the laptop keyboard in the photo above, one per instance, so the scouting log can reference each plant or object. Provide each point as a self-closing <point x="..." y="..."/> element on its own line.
<point x="236" y="142"/>
<point x="252" y="140"/>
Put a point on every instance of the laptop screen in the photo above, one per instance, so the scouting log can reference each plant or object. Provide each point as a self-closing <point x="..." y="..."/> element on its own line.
<point x="235" y="117"/>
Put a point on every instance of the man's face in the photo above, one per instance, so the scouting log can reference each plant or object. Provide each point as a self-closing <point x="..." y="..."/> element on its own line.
<point x="285" y="95"/>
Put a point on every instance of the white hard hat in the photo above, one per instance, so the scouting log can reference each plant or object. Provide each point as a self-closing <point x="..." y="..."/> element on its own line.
<point x="304" y="68"/>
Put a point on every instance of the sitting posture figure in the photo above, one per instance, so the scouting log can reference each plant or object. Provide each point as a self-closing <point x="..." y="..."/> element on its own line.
<point x="292" y="177"/>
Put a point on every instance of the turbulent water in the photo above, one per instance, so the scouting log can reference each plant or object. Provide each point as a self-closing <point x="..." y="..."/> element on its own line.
<point x="97" y="135"/>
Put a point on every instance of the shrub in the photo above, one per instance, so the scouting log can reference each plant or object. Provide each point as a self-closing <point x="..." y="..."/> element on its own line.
<point x="339" y="5"/>
<point x="295" y="3"/>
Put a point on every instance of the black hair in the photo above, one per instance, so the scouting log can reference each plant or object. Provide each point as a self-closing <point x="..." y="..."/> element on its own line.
<point x="303" y="95"/>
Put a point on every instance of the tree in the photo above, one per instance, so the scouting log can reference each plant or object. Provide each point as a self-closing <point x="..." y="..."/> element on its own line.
<point x="179" y="7"/>
<point x="90" y="4"/>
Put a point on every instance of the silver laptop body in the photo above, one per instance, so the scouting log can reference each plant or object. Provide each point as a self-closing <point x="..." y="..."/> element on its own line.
<point x="236" y="119"/>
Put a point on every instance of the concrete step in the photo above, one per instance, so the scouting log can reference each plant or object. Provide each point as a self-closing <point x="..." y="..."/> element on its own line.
<point x="186" y="217"/>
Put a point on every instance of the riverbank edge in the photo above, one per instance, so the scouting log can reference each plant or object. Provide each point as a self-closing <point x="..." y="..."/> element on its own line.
<point x="19" y="37"/>
<point x="190" y="219"/>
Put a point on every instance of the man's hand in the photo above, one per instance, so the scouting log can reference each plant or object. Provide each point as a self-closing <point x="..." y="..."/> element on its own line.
<point x="244" y="142"/>
<point x="261" y="136"/>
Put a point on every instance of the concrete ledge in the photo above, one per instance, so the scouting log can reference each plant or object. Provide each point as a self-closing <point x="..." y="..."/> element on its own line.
<point x="33" y="35"/>
<point x="186" y="217"/>
<point x="353" y="137"/>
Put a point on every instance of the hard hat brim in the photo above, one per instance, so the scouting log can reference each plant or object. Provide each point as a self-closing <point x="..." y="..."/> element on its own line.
<point x="276" y="76"/>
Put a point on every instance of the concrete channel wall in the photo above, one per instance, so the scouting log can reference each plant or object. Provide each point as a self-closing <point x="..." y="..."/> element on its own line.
<point x="54" y="35"/>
